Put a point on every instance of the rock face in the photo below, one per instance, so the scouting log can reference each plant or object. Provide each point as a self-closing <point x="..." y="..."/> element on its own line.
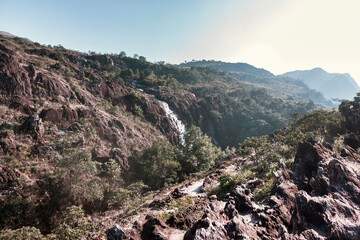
<point x="325" y="206"/>
<point x="33" y="124"/>
<point x="115" y="233"/>
<point x="319" y="200"/>
<point x="63" y="90"/>
<point x="8" y="178"/>
<point x="155" y="228"/>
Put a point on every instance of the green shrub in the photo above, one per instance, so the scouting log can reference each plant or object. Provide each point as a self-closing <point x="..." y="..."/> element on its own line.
<point x="198" y="152"/>
<point x="156" y="166"/>
<point x="73" y="224"/>
<point x="256" y="146"/>
<point x="77" y="174"/>
<point x="24" y="233"/>
<point x="263" y="190"/>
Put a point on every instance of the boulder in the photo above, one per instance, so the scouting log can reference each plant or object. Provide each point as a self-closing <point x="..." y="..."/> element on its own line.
<point x="8" y="178"/>
<point x="33" y="125"/>
<point x="154" y="229"/>
<point x="115" y="233"/>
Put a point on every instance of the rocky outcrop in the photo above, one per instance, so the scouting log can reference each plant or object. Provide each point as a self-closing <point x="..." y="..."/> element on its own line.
<point x="115" y="233"/>
<point x="33" y="125"/>
<point x="14" y="79"/>
<point x="8" y="178"/>
<point x="65" y="113"/>
<point x="154" y="228"/>
<point x="327" y="208"/>
<point x="319" y="200"/>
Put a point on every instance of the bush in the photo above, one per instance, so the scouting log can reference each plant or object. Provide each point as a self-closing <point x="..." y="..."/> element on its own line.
<point x="124" y="197"/>
<point x="263" y="190"/>
<point x="163" y="164"/>
<point x="134" y="99"/>
<point x="156" y="166"/>
<point x="77" y="175"/>
<point x="256" y="146"/>
<point x="24" y="233"/>
<point x="198" y="152"/>
<point x="73" y="224"/>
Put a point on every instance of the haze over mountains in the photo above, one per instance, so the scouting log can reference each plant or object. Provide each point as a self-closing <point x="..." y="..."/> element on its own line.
<point x="282" y="86"/>
<point x="331" y="85"/>
<point x="316" y="84"/>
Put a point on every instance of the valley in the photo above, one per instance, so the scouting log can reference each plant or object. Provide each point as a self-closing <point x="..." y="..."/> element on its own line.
<point x="107" y="146"/>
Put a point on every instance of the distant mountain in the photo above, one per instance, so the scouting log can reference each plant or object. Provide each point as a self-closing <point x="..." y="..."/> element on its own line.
<point x="230" y="67"/>
<point x="331" y="85"/>
<point x="282" y="86"/>
<point x="8" y="35"/>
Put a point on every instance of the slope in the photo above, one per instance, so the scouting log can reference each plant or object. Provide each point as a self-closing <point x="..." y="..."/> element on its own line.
<point x="331" y="85"/>
<point x="278" y="85"/>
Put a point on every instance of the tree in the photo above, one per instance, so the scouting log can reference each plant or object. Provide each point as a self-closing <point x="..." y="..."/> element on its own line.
<point x="122" y="54"/>
<point x="73" y="224"/>
<point x="155" y="166"/>
<point x="198" y="152"/>
<point x="142" y="59"/>
<point x="77" y="175"/>
<point x="256" y="146"/>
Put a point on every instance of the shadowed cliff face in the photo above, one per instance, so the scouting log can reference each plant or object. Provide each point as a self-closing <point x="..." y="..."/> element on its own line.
<point x="229" y="117"/>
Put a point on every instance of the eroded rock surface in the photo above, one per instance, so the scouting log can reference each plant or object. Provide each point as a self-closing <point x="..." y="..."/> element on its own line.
<point x="319" y="200"/>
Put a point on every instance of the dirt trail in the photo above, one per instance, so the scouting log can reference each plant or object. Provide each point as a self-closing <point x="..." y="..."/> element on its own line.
<point x="194" y="189"/>
<point x="177" y="234"/>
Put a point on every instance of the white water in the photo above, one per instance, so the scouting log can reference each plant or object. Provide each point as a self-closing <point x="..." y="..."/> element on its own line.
<point x="175" y="120"/>
<point x="169" y="113"/>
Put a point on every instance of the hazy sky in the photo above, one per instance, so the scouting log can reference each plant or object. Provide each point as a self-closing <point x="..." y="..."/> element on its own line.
<point x="278" y="35"/>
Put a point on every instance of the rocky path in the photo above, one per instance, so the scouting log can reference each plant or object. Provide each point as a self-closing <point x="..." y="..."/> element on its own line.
<point x="194" y="189"/>
<point x="177" y="234"/>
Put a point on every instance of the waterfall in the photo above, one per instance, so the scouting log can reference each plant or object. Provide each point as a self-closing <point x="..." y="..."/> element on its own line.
<point x="180" y="127"/>
<point x="175" y="120"/>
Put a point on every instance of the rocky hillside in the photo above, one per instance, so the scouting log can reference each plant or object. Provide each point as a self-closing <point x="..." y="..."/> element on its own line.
<point x="92" y="140"/>
<point x="331" y="85"/>
<point x="283" y="86"/>
<point x="318" y="200"/>
<point x="277" y="190"/>
<point x="230" y="67"/>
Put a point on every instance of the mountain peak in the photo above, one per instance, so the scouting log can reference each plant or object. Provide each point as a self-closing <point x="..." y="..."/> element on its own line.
<point x="7" y="34"/>
<point x="332" y="85"/>
<point x="238" y="67"/>
<point x="318" y="69"/>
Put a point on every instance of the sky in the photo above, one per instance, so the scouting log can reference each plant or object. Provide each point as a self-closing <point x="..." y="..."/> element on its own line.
<point x="277" y="35"/>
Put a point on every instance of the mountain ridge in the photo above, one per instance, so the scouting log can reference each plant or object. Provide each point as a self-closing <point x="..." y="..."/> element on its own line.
<point x="332" y="85"/>
<point x="283" y="86"/>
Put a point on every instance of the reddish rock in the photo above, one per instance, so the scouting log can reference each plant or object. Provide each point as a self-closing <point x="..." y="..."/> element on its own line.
<point x="33" y="125"/>
<point x="14" y="79"/>
<point x="8" y="146"/>
<point x="8" y="178"/>
<point x="59" y="115"/>
<point x="155" y="229"/>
